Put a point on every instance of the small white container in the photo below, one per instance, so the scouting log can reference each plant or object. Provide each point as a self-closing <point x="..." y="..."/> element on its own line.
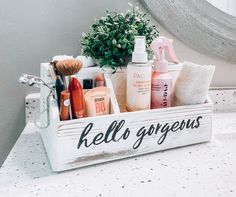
<point x="82" y="142"/>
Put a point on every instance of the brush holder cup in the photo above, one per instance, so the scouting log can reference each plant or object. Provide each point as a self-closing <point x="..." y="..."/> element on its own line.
<point x="86" y="141"/>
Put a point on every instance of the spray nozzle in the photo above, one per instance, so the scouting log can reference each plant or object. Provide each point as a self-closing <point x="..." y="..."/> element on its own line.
<point x="159" y="45"/>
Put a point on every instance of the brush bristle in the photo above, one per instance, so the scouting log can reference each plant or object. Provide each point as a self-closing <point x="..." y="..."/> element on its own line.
<point x="69" y="67"/>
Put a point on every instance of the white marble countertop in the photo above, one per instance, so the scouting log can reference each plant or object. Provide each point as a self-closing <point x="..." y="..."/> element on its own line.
<point x="207" y="169"/>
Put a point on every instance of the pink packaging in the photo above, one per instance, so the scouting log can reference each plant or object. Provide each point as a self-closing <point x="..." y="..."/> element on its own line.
<point x="161" y="93"/>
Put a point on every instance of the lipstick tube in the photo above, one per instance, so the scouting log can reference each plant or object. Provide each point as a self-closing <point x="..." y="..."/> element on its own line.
<point x="76" y="98"/>
<point x="99" y="80"/>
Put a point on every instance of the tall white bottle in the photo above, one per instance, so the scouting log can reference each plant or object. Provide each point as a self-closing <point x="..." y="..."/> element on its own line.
<point x="139" y="73"/>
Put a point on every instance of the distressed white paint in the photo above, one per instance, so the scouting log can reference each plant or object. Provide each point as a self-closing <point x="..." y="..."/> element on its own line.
<point x="61" y="137"/>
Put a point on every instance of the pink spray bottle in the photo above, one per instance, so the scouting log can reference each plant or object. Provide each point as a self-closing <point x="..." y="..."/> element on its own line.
<point x="162" y="86"/>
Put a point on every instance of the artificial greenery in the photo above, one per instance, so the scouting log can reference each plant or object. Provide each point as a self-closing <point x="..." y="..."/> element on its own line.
<point x="111" y="40"/>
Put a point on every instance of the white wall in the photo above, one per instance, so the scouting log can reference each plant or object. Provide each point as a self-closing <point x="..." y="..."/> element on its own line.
<point x="33" y="31"/>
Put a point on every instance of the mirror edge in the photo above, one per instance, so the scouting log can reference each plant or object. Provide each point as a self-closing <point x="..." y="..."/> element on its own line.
<point x="214" y="31"/>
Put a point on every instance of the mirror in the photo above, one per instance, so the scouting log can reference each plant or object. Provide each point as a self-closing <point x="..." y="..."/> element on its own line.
<point x="199" y="24"/>
<point x="227" y="6"/>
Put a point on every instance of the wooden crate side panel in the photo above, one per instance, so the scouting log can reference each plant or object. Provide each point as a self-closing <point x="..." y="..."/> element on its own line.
<point x="138" y="134"/>
<point x="48" y="134"/>
<point x="114" y="108"/>
<point x="51" y="146"/>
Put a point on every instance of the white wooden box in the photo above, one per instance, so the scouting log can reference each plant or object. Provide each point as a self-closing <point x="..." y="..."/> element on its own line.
<point x="82" y="142"/>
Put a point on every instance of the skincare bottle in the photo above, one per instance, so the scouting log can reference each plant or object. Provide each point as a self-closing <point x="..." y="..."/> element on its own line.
<point x="162" y="85"/>
<point x="139" y="71"/>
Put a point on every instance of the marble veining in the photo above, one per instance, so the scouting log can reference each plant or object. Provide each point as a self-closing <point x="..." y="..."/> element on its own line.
<point x="224" y="100"/>
<point x="32" y="103"/>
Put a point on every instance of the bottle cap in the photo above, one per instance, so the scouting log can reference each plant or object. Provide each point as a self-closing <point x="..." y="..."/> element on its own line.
<point x="87" y="83"/>
<point x="99" y="80"/>
<point x="161" y="66"/>
<point x="140" y="55"/>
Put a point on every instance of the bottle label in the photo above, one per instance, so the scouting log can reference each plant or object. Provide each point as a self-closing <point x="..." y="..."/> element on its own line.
<point x="161" y="95"/>
<point x="138" y="87"/>
<point x="66" y="102"/>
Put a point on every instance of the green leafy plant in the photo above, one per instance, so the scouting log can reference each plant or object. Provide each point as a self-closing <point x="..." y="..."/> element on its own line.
<point x="111" y="39"/>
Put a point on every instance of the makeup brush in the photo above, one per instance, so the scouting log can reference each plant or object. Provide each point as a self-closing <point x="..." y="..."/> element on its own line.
<point x="57" y="79"/>
<point x="69" y="67"/>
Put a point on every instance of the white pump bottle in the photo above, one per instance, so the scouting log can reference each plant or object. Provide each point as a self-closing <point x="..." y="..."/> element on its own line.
<point x="138" y="94"/>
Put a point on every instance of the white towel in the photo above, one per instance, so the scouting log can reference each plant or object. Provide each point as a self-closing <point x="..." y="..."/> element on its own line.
<point x="192" y="84"/>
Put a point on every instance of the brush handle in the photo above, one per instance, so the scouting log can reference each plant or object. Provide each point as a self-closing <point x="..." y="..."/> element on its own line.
<point x="59" y="86"/>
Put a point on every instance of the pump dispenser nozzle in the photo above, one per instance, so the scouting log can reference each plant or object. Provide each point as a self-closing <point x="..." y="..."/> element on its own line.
<point x="158" y="46"/>
<point x="139" y="54"/>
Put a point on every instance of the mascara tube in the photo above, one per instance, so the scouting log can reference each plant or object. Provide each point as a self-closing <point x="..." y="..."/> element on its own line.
<point x="59" y="85"/>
